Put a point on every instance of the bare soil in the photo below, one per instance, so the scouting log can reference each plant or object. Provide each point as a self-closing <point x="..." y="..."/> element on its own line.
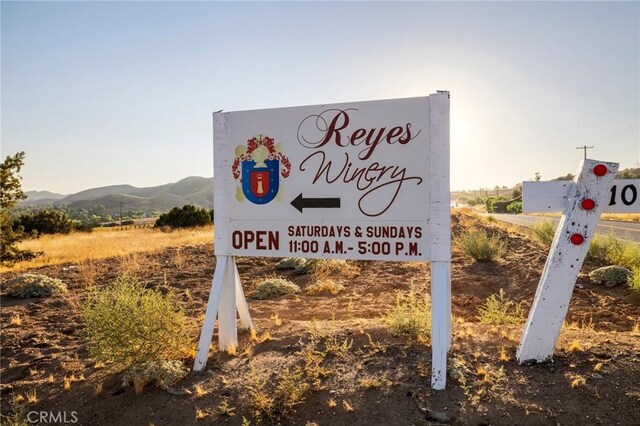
<point x="381" y="379"/>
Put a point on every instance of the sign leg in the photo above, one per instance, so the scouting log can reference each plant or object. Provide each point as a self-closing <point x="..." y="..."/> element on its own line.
<point x="206" y="335"/>
<point x="227" y="322"/>
<point x="440" y="322"/>
<point x="241" y="302"/>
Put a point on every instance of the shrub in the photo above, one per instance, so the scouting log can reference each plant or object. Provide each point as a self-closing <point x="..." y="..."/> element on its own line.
<point x="46" y="222"/>
<point x="163" y="373"/>
<point x="479" y="245"/>
<point x="275" y="403"/>
<point x="31" y="285"/>
<point x="610" y="275"/>
<point x="612" y="251"/>
<point x="128" y="324"/>
<point x="544" y="232"/>
<point x="325" y="286"/>
<point x="274" y="287"/>
<point x="411" y="316"/>
<point x="291" y="263"/>
<point x="188" y="216"/>
<point x="634" y="280"/>
<point x="499" y="310"/>
<point x="515" y="207"/>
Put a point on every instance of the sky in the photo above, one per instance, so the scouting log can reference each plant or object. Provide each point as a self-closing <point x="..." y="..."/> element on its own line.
<point x="104" y="93"/>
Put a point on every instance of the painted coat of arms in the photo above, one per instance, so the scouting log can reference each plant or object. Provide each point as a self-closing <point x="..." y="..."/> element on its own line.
<point x="258" y="168"/>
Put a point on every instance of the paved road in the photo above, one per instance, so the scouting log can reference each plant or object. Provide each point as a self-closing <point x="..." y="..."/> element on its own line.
<point x="629" y="231"/>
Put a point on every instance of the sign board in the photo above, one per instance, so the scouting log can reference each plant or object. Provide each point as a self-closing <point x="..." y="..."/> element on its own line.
<point x="363" y="180"/>
<point x="538" y="197"/>
<point x="347" y="181"/>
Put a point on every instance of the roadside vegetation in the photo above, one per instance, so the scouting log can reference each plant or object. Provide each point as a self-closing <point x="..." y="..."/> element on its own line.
<point x="543" y="232"/>
<point x="137" y="331"/>
<point x="479" y="245"/>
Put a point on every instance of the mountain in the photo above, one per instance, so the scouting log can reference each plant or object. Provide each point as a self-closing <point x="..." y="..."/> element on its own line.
<point x="192" y="190"/>
<point x="41" y="197"/>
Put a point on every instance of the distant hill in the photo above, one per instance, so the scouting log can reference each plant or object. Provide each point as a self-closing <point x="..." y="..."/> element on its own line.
<point x="46" y="197"/>
<point x="192" y="190"/>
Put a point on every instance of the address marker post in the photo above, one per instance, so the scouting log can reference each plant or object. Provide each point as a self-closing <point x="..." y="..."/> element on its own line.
<point x="358" y="180"/>
<point x="583" y="201"/>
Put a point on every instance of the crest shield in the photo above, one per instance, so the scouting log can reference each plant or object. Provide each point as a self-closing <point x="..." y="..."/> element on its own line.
<point x="260" y="184"/>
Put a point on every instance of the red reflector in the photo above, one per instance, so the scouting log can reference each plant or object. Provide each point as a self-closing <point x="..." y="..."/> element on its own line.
<point x="577" y="239"/>
<point x="600" y="170"/>
<point x="588" y="204"/>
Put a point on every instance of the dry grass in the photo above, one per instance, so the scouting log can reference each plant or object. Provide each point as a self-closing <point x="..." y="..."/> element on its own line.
<point x="32" y="396"/>
<point x="81" y="247"/>
<point x="622" y="217"/>
<point x="199" y="391"/>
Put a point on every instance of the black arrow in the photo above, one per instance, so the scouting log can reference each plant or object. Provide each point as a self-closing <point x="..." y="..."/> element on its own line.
<point x="315" y="203"/>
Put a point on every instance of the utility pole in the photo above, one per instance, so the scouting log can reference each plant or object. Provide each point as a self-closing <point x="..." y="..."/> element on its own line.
<point x="120" y="213"/>
<point x="585" y="148"/>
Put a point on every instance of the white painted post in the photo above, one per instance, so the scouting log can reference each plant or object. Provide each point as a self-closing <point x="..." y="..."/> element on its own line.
<point x="586" y="200"/>
<point x="241" y="302"/>
<point x="206" y="334"/>
<point x="227" y="322"/>
<point x="440" y="237"/>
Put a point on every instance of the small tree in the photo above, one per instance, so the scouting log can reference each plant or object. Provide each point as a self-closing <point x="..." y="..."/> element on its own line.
<point x="185" y="217"/>
<point x="10" y="193"/>
<point x="45" y="222"/>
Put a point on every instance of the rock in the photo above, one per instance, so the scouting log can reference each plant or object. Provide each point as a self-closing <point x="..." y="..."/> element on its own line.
<point x="179" y="392"/>
<point x="597" y="376"/>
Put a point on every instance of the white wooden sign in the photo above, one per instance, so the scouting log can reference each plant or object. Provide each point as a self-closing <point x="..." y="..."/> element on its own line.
<point x="540" y="197"/>
<point x="346" y="181"/>
<point x="581" y="201"/>
<point x="364" y="180"/>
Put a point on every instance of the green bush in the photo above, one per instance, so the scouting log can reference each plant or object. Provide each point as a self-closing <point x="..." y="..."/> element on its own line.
<point x="291" y="263"/>
<point x="300" y="266"/>
<point x="544" y="232"/>
<point x="411" y="316"/>
<point x="499" y="310"/>
<point x="128" y="324"/>
<point x="610" y="275"/>
<point x="477" y="244"/>
<point x="32" y="285"/>
<point x="188" y="216"/>
<point x="634" y="280"/>
<point x="515" y="207"/>
<point x="274" y="287"/>
<point x="611" y="251"/>
<point x="45" y="222"/>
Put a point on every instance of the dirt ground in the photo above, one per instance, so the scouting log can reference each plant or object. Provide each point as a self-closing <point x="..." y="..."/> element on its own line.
<point x="379" y="379"/>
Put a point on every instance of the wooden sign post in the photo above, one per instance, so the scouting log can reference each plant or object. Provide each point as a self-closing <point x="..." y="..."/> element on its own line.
<point x="581" y="201"/>
<point x="364" y="181"/>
